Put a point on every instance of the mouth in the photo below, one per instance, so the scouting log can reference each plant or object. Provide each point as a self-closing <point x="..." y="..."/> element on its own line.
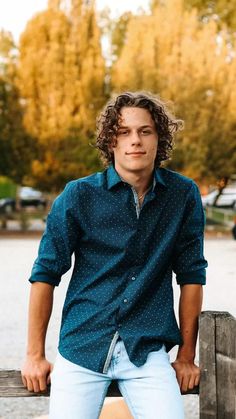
<point x="136" y="153"/>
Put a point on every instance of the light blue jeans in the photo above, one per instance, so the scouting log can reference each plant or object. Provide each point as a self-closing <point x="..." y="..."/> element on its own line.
<point x="150" y="391"/>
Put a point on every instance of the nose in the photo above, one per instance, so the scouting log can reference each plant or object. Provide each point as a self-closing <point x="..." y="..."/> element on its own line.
<point x="135" y="138"/>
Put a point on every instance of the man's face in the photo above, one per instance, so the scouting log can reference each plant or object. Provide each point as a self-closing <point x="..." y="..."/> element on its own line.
<point x="137" y="141"/>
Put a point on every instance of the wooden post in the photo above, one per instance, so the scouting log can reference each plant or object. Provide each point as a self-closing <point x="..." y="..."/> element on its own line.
<point x="207" y="360"/>
<point x="226" y="366"/>
<point x="217" y="334"/>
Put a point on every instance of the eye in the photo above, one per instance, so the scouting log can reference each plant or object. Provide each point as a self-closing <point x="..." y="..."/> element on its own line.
<point x="123" y="132"/>
<point x="146" y="131"/>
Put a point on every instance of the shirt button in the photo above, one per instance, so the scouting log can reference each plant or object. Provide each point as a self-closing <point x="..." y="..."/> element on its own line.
<point x="133" y="278"/>
<point x="125" y="300"/>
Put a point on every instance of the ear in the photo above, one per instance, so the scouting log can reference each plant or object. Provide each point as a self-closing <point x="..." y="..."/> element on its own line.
<point x="111" y="145"/>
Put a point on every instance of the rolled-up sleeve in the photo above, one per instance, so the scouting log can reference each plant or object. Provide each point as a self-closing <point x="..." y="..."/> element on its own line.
<point x="58" y="241"/>
<point x="189" y="263"/>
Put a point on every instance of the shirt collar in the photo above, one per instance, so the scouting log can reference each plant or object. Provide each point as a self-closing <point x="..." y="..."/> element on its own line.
<point x="159" y="178"/>
<point x="113" y="178"/>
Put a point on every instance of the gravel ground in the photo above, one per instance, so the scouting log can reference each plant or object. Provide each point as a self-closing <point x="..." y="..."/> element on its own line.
<point x="17" y="256"/>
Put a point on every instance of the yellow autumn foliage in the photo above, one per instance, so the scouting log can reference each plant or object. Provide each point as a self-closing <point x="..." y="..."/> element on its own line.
<point x="186" y="61"/>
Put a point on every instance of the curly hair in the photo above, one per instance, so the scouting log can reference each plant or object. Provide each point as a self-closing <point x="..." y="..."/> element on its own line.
<point x="109" y="121"/>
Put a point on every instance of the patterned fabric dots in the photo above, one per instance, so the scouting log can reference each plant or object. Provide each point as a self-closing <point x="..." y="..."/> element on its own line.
<point x="125" y="257"/>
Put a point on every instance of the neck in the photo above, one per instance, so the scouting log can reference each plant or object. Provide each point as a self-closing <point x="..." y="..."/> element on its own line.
<point x="141" y="181"/>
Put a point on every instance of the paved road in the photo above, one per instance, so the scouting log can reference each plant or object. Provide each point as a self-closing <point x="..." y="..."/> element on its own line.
<point x="17" y="256"/>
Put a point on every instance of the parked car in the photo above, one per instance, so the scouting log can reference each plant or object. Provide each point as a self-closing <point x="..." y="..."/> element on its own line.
<point x="30" y="197"/>
<point x="7" y="205"/>
<point x="209" y="199"/>
<point x="226" y="198"/>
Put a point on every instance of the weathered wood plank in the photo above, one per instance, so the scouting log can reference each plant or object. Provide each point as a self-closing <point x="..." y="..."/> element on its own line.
<point x="226" y="365"/>
<point x="207" y="361"/>
<point x="11" y="386"/>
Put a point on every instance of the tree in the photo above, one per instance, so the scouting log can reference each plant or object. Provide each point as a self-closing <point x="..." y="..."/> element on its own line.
<point x="89" y="64"/>
<point x="16" y="147"/>
<point x="54" y="4"/>
<point x="118" y="33"/>
<point x="223" y="11"/>
<point x="41" y="75"/>
<point x="61" y="78"/>
<point x="174" y="54"/>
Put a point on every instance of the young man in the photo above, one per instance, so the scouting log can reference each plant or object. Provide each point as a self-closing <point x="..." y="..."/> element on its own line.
<point x="129" y="228"/>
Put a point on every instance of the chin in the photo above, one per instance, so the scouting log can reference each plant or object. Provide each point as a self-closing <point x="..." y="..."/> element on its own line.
<point x="137" y="167"/>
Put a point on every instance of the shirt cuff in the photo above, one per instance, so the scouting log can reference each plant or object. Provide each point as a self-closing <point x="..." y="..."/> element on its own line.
<point x="46" y="279"/>
<point x="40" y="273"/>
<point x="194" y="277"/>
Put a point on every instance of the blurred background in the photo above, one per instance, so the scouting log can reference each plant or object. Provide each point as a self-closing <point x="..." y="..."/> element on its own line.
<point x="60" y="65"/>
<point x="60" y="61"/>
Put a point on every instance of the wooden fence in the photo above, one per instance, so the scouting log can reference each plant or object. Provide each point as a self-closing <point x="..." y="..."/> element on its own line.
<point x="217" y="357"/>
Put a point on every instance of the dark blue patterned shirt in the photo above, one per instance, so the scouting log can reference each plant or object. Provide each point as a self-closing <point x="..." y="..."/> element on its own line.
<point x="125" y="255"/>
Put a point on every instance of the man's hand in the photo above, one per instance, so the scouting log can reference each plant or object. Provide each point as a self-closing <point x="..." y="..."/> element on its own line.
<point x="36" y="369"/>
<point x="187" y="374"/>
<point x="36" y="374"/>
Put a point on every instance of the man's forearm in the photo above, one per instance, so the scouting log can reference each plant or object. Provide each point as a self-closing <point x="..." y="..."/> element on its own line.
<point x="36" y="369"/>
<point x="40" y="308"/>
<point x="187" y="373"/>
<point x="189" y="310"/>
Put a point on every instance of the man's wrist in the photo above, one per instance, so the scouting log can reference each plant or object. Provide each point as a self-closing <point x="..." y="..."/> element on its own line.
<point x="185" y="355"/>
<point x="35" y="354"/>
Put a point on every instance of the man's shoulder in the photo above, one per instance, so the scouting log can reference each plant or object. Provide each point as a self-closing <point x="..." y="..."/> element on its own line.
<point x="81" y="188"/>
<point x="176" y="180"/>
<point x="96" y="179"/>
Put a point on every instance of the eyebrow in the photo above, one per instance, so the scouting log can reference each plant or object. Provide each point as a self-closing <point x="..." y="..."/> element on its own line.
<point x="142" y="126"/>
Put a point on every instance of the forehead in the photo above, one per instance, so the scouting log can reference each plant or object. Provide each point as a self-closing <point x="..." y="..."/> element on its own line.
<point x="135" y="116"/>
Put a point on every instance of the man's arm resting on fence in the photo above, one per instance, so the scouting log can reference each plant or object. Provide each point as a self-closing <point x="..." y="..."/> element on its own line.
<point x="36" y="369"/>
<point x="188" y="374"/>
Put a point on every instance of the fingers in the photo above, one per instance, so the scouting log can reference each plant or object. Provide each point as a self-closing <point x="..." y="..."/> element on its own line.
<point x="180" y="380"/>
<point x="183" y="381"/>
<point x="191" y="383"/>
<point x="49" y="378"/>
<point x="188" y="376"/>
<point x="36" y="384"/>
<point x="36" y="374"/>
<point x="43" y="384"/>
<point x="188" y="383"/>
<point x="24" y="380"/>
<point x="29" y="384"/>
<point x="197" y="379"/>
